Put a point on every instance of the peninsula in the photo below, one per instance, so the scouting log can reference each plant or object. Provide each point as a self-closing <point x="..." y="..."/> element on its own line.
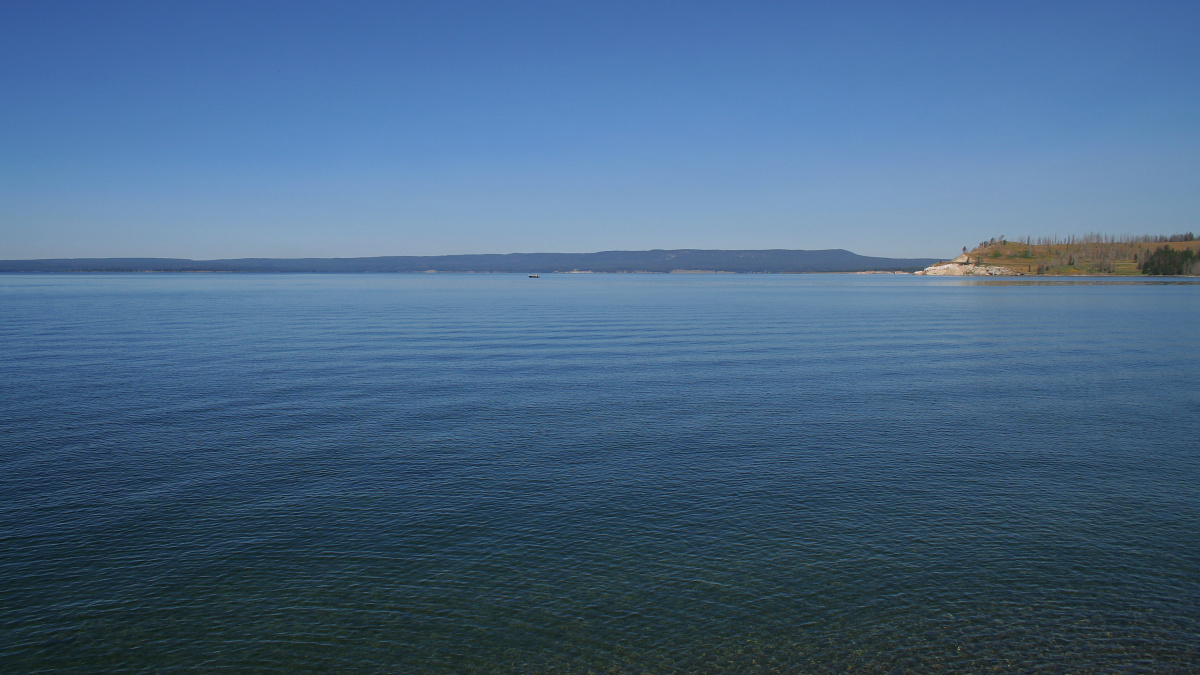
<point x="1104" y="255"/>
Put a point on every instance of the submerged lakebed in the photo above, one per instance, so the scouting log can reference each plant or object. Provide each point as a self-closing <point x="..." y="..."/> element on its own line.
<point x="598" y="473"/>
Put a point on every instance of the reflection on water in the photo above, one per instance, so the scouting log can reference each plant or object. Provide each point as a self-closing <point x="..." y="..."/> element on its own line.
<point x="1070" y="281"/>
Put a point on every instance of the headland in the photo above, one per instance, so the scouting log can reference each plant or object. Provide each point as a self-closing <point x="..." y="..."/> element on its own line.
<point x="1091" y="255"/>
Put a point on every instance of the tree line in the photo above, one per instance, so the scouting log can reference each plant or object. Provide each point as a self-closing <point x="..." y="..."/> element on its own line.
<point x="1092" y="238"/>
<point x="1166" y="261"/>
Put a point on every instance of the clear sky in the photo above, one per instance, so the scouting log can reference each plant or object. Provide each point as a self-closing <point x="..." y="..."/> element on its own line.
<point x="286" y="129"/>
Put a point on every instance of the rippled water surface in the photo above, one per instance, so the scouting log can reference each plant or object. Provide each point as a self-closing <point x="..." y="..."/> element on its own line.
<point x="598" y="473"/>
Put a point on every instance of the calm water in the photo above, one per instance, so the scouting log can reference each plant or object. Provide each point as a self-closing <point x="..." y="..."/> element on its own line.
<point x="598" y="473"/>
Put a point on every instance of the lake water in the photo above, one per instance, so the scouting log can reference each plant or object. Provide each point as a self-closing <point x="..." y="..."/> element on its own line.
<point x="598" y="473"/>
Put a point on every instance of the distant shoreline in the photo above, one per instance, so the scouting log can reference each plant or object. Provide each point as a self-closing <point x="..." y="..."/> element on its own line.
<point x="678" y="261"/>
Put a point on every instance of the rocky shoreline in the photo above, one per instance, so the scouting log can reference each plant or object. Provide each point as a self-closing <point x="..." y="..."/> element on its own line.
<point x="963" y="267"/>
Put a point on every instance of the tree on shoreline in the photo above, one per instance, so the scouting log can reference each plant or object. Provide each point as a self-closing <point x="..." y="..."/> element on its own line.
<point x="1166" y="261"/>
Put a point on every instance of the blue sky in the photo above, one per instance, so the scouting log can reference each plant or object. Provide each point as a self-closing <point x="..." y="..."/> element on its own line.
<point x="209" y="130"/>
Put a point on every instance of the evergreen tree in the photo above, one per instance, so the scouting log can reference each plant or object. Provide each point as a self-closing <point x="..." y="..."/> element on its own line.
<point x="1166" y="261"/>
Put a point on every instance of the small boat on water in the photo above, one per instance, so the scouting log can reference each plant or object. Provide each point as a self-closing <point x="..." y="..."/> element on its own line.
<point x="534" y="276"/>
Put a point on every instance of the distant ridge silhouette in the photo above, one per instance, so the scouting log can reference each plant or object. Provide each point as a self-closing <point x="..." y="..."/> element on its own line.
<point x="748" y="261"/>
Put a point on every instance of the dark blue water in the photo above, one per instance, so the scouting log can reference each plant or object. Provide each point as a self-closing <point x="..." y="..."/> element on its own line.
<point x="598" y="473"/>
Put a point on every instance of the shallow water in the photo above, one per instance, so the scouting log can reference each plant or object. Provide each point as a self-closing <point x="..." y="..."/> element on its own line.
<point x="598" y="473"/>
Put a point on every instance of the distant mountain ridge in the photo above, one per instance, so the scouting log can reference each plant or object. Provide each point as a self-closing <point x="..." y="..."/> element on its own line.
<point x="748" y="261"/>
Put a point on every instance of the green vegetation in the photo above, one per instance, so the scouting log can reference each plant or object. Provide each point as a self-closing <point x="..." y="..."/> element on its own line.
<point x="1095" y="254"/>
<point x="1170" y="262"/>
